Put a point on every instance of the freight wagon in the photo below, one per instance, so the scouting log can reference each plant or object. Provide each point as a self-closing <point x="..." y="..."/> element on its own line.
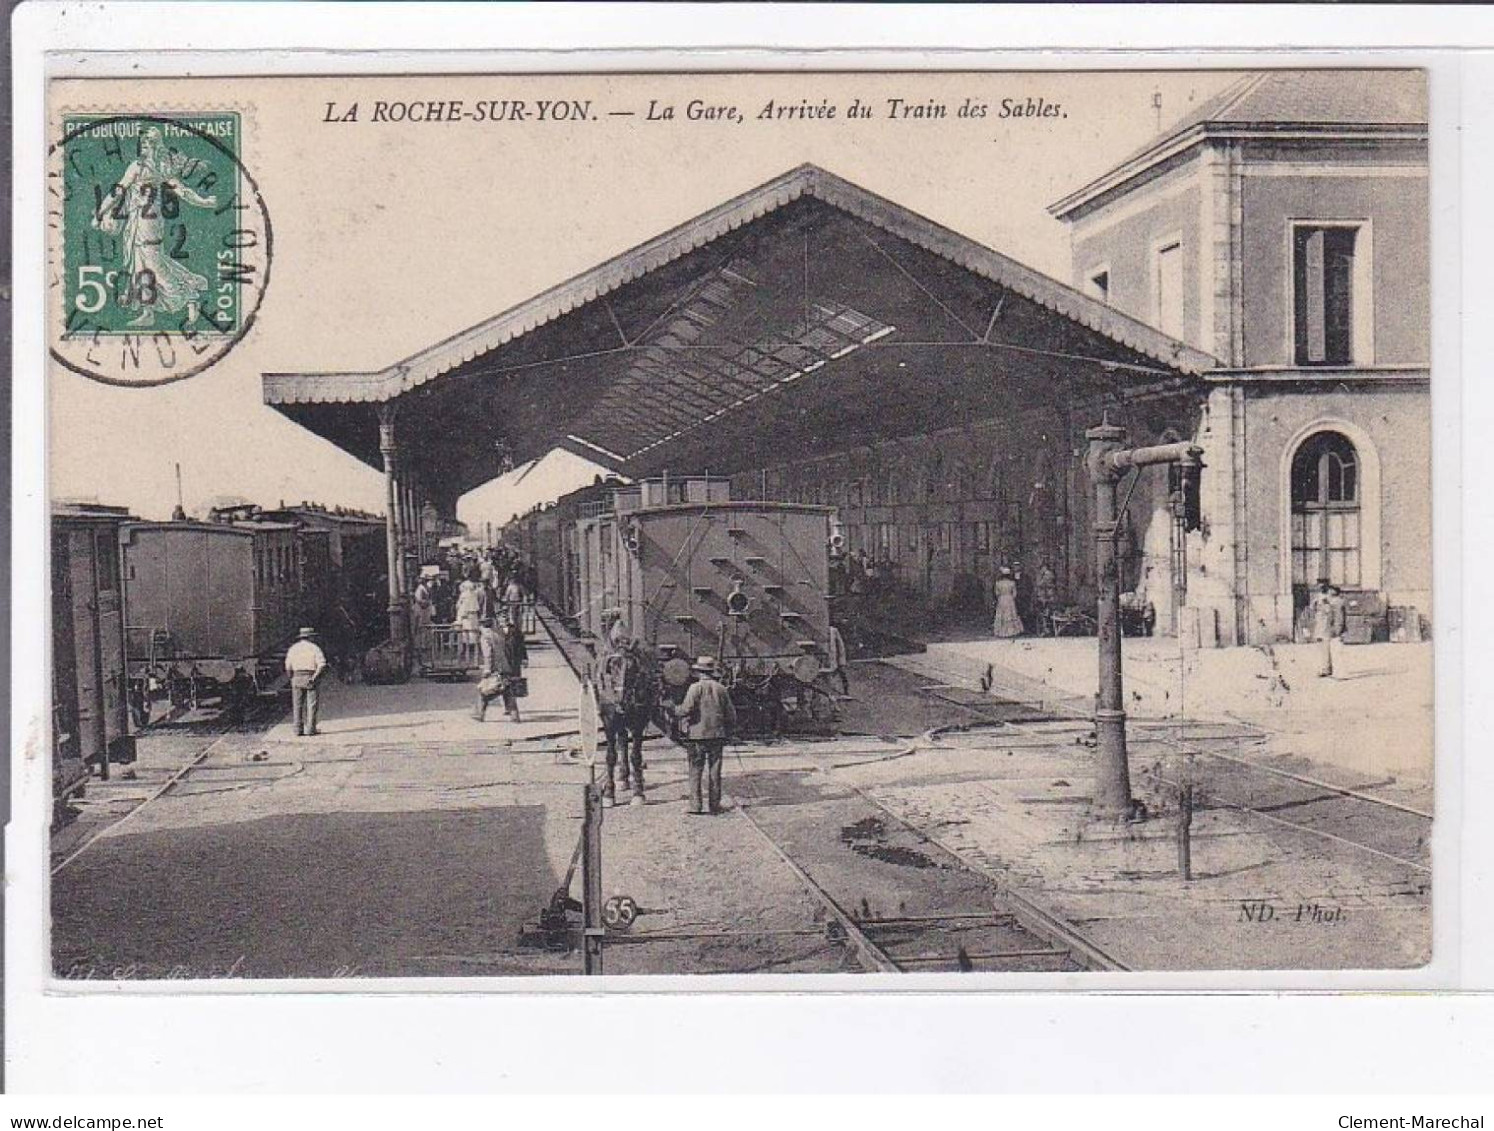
<point x="546" y="538"/>
<point x="352" y="614"/>
<point x="90" y="704"/>
<point x="745" y="582"/>
<point x="211" y="606"/>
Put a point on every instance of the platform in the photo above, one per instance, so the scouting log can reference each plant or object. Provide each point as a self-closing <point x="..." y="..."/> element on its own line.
<point x="1373" y="717"/>
<point x="409" y="840"/>
<point x="430" y="710"/>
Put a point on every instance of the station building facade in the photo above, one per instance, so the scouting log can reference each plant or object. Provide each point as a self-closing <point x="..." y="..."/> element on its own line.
<point x="1283" y="229"/>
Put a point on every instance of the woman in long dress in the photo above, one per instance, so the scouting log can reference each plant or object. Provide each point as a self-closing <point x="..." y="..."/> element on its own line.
<point x="156" y="282"/>
<point x="1008" y="623"/>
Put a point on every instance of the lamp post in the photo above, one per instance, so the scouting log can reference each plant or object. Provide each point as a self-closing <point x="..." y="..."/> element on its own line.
<point x="1108" y="461"/>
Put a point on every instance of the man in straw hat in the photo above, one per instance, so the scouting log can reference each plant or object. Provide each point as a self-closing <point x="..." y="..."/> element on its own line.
<point x="709" y="718"/>
<point x="305" y="662"/>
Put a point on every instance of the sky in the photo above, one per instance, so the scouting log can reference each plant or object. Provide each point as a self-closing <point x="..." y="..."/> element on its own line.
<point x="390" y="236"/>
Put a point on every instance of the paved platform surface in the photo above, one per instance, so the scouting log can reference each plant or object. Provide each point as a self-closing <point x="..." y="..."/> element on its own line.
<point x="410" y="840"/>
<point x="1373" y="717"/>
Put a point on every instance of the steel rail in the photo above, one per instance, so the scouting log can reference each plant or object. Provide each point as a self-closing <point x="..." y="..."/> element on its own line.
<point x="1317" y="783"/>
<point x="1237" y="807"/>
<point x="870" y="951"/>
<point x="160" y="791"/>
<point x="1024" y="913"/>
<point x="1036" y="919"/>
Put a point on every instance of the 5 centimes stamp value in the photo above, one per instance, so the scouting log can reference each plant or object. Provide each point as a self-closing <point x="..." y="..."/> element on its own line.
<point x="161" y="244"/>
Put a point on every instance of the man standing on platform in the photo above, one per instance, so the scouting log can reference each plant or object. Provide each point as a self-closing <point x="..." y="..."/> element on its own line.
<point x="1327" y="612"/>
<point x="305" y="662"/>
<point x="838" y="661"/>
<point x="709" y="719"/>
<point x="502" y="665"/>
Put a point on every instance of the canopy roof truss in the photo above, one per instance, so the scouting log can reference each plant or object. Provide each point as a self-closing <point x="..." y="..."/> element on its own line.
<point x="806" y="316"/>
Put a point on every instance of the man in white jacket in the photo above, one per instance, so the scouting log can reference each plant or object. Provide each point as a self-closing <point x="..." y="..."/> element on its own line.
<point x="306" y="663"/>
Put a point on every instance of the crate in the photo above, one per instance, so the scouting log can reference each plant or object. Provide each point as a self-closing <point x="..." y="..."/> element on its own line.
<point x="1364" y="618"/>
<point x="1404" y="624"/>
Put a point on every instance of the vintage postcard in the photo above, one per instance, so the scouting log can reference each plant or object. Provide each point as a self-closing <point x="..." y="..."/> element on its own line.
<point x="945" y="524"/>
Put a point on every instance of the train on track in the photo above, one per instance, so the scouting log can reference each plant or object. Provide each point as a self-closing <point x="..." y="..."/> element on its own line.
<point x="186" y="612"/>
<point x="680" y="565"/>
<point x="90" y="694"/>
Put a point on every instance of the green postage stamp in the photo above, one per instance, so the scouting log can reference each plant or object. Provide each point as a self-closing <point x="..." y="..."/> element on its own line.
<point x="161" y="244"/>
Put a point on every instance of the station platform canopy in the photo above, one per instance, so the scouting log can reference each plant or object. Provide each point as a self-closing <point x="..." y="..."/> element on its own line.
<point x="804" y="317"/>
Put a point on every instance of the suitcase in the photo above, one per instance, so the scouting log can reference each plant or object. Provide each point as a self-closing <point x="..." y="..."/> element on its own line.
<point x="493" y="685"/>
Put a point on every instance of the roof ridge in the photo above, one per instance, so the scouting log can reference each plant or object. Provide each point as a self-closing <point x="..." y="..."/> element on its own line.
<point x="807" y="172"/>
<point x="1245" y="86"/>
<point x="706" y="228"/>
<point x="1226" y="113"/>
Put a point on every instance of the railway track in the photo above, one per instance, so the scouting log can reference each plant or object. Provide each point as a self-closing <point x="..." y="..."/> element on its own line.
<point x="1348" y="817"/>
<point x="1345" y="815"/>
<point x="962" y="926"/>
<point x="894" y="898"/>
<point x="121" y="799"/>
<point x="900" y="900"/>
<point x="217" y="720"/>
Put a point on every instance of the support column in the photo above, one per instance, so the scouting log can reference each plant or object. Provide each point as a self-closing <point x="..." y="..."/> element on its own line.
<point x="418" y="511"/>
<point x="402" y="525"/>
<point x="399" y="621"/>
<point x="407" y="524"/>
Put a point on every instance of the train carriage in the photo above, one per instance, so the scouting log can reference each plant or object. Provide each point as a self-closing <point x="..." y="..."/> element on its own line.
<point x="352" y="614"/>
<point x="210" y="606"/>
<point x="746" y="582"/>
<point x="319" y="580"/>
<point x="90" y="706"/>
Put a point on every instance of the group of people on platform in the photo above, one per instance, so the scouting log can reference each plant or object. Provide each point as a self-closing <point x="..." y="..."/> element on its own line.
<point x="467" y="589"/>
<point x="859" y="573"/>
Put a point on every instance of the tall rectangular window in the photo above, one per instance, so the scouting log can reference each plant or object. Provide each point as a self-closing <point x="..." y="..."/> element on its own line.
<point x="1330" y="295"/>
<point x="1167" y="287"/>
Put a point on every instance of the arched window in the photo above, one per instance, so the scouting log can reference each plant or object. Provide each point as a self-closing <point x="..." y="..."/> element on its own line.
<point x="1326" y="528"/>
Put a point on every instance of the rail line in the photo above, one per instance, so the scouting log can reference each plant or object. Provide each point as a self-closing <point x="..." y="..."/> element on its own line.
<point x="1030" y="915"/>
<point x="1007" y="933"/>
<point x="218" y="730"/>
<point x="1346" y="815"/>
<point x="870" y="952"/>
<point x="999" y="939"/>
<point x="1397" y="829"/>
<point x="1393" y="833"/>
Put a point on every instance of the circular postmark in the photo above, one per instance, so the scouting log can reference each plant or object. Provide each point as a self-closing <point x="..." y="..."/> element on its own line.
<point x="160" y="247"/>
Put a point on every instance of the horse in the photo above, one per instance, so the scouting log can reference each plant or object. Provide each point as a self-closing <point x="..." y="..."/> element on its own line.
<point x="627" y="692"/>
